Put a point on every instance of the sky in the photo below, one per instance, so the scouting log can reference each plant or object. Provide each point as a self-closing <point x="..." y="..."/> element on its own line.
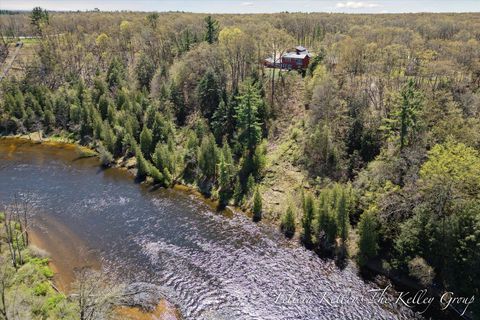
<point x="251" y="6"/>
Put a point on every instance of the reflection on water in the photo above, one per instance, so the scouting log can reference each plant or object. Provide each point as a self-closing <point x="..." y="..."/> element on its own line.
<point x="209" y="264"/>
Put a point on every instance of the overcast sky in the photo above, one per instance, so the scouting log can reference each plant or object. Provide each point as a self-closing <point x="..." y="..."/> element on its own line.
<point x="253" y="6"/>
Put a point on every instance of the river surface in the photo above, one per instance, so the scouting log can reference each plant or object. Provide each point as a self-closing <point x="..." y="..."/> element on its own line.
<point x="212" y="265"/>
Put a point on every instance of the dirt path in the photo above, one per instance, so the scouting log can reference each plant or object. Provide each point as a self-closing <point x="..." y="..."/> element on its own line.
<point x="10" y="60"/>
<point x="284" y="177"/>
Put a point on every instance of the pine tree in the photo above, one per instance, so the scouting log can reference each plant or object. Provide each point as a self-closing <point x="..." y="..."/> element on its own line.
<point x="249" y="127"/>
<point x="145" y="69"/>
<point x="226" y="172"/>
<point x="164" y="160"/>
<point x="177" y="98"/>
<point x="108" y="137"/>
<point x="207" y="157"/>
<point x="342" y="215"/>
<point x="288" y="222"/>
<point x="238" y="192"/>
<point x="156" y="175"/>
<point x="146" y="142"/>
<point x="211" y="29"/>
<point x="115" y="73"/>
<point x="307" y="220"/>
<point x="222" y="121"/>
<point x="257" y="206"/>
<point x="142" y="166"/>
<point x="208" y="94"/>
<point x="368" y="242"/>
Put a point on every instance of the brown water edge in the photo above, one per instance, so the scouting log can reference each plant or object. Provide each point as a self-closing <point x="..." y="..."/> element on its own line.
<point x="66" y="250"/>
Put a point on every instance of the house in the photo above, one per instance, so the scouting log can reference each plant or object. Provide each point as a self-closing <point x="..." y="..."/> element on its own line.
<point x="294" y="60"/>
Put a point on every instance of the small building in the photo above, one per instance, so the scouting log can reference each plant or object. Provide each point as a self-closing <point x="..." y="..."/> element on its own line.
<point x="294" y="60"/>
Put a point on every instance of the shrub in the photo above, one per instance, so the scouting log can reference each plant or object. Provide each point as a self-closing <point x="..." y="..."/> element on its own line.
<point x="41" y="289"/>
<point x="106" y="158"/>
<point x="419" y="269"/>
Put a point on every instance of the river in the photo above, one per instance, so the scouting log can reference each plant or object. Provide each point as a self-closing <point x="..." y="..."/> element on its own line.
<point x="211" y="265"/>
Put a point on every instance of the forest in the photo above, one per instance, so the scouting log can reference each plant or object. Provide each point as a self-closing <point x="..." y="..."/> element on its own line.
<point x="371" y="153"/>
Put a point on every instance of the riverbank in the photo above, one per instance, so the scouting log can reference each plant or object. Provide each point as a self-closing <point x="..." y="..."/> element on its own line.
<point x="92" y="162"/>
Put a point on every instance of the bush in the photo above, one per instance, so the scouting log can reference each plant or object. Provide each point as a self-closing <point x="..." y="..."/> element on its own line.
<point x="38" y="252"/>
<point x="106" y="158"/>
<point x="419" y="269"/>
<point x="41" y="289"/>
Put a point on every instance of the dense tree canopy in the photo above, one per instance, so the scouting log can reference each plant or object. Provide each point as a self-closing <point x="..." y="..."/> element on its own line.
<point x="383" y="128"/>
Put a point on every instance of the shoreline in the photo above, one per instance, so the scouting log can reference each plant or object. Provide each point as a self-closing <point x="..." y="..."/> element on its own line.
<point x="126" y="165"/>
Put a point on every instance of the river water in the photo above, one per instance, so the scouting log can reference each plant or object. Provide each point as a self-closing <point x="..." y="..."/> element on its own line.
<point x="212" y="265"/>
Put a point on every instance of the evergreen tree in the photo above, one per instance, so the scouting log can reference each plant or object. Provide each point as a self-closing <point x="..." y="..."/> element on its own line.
<point x="19" y="106"/>
<point x="208" y="94"/>
<point x="404" y="119"/>
<point x="307" y="220"/>
<point x="225" y="174"/>
<point x="207" y="157"/>
<point x="108" y="137"/>
<point x="157" y="176"/>
<point x="257" y="206"/>
<point x="164" y="160"/>
<point x="288" y="222"/>
<point x="38" y="18"/>
<point x="238" y="192"/>
<point x="145" y="69"/>
<point x="342" y="215"/>
<point x="326" y="223"/>
<point x="142" y="166"/>
<point x="103" y="104"/>
<point x="249" y="127"/>
<point x="177" y="98"/>
<point x="211" y="29"/>
<point x="115" y="73"/>
<point x="146" y="142"/>
<point x="368" y="242"/>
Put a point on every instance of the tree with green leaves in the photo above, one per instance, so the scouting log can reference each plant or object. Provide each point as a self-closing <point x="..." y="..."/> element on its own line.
<point x="342" y="215"/>
<point x="307" y="220"/>
<point x="288" y="222"/>
<point x="207" y="157"/>
<point x="142" y="166"/>
<point x="225" y="174"/>
<point x="145" y="69"/>
<point x="177" y="98"/>
<point x="115" y="73"/>
<point x="257" y="206"/>
<point x="164" y="160"/>
<point x="246" y="114"/>
<point x="223" y="121"/>
<point x="146" y="142"/>
<point x="368" y="233"/>
<point x="211" y="30"/>
<point x="326" y="227"/>
<point x="38" y="18"/>
<point x="152" y="19"/>
<point x="208" y="94"/>
<point x="404" y="121"/>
